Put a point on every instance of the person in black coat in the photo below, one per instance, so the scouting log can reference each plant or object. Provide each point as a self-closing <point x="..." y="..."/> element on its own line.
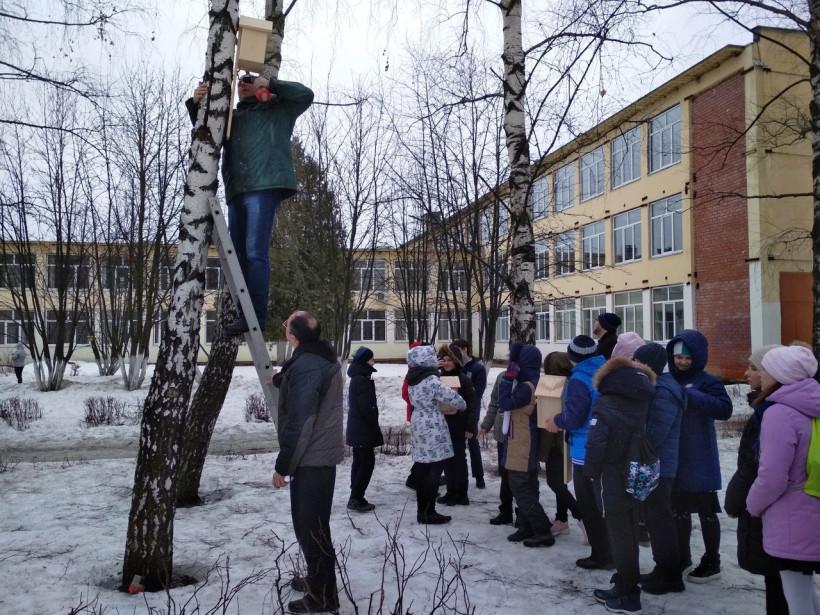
<point x="459" y="424"/>
<point x="626" y="390"/>
<point x="750" y="553"/>
<point x="478" y="376"/>
<point x="363" y="431"/>
<point x="605" y="328"/>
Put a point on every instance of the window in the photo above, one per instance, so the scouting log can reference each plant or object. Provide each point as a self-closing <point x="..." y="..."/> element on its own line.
<point x="82" y="332"/>
<point x="564" y="320"/>
<point x="667" y="231"/>
<point x="12" y="267"/>
<point x="399" y="327"/>
<point x="210" y="326"/>
<point x="72" y="271"/>
<point x="11" y="331"/>
<point x="626" y="157"/>
<point x="591" y="307"/>
<point x="453" y="328"/>
<point x="626" y="228"/>
<point x="592" y="238"/>
<point x="369" y="327"/>
<point x="592" y="174"/>
<point x="116" y="273"/>
<point x="166" y="277"/>
<point x="542" y="322"/>
<point x="409" y="276"/>
<point x="502" y="326"/>
<point x="664" y="139"/>
<point x="213" y="279"/>
<point x="159" y="325"/>
<point x="369" y="275"/>
<point x="454" y="280"/>
<point x="486" y="224"/>
<point x="503" y="219"/>
<point x="564" y="187"/>
<point x="542" y="260"/>
<point x="539" y="198"/>
<point x="667" y="312"/>
<point x="629" y="306"/>
<point x="565" y="253"/>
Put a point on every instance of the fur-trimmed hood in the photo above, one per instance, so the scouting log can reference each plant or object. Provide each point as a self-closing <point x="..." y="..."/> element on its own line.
<point x="625" y="378"/>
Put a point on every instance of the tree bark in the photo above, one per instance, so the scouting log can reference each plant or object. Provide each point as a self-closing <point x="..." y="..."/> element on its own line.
<point x="814" y="113"/>
<point x="149" y="541"/>
<point x="522" y="324"/>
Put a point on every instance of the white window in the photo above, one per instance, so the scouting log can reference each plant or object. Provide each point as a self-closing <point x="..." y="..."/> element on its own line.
<point x="213" y="274"/>
<point x="210" y="326"/>
<point x="591" y="307"/>
<point x="564" y="187"/>
<point x="629" y="306"/>
<point x="539" y="198"/>
<point x="159" y="325"/>
<point x="399" y="327"/>
<point x="542" y="322"/>
<point x="565" y="253"/>
<point x="626" y="230"/>
<point x="664" y="139"/>
<point x="453" y="328"/>
<point x="592" y="174"/>
<point x="542" y="260"/>
<point x="369" y="327"/>
<point x="12" y="268"/>
<point x="116" y="273"/>
<point x="503" y="219"/>
<point x="369" y="275"/>
<point x="68" y="271"/>
<point x="564" y="320"/>
<point x="593" y="240"/>
<point x="502" y="326"/>
<point x="667" y="312"/>
<point x="454" y="280"/>
<point x="486" y="224"/>
<point x="11" y="330"/>
<point x="667" y="230"/>
<point x="166" y="276"/>
<point x="409" y="277"/>
<point x="81" y="331"/>
<point x="626" y="157"/>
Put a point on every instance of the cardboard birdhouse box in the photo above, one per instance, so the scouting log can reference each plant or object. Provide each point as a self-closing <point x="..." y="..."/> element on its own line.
<point x="451" y="381"/>
<point x="252" y="42"/>
<point x="548" y="397"/>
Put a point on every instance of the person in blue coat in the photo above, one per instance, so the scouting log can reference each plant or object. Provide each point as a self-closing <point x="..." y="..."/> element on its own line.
<point x="698" y="477"/>
<point x="579" y="395"/>
<point x="363" y="432"/>
<point x="663" y="432"/>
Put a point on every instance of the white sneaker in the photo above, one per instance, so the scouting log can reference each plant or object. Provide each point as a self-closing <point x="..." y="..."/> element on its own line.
<point x="559" y="527"/>
<point x="584" y="537"/>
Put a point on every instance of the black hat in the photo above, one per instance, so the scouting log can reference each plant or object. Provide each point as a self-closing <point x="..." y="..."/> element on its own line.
<point x="581" y="347"/>
<point x="653" y="355"/>
<point x="362" y="355"/>
<point x="609" y="321"/>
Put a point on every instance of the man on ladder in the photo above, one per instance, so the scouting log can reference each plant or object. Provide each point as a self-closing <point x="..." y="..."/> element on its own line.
<point x="257" y="170"/>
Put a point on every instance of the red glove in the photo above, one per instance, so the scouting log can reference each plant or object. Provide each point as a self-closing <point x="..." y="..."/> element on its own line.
<point x="512" y="370"/>
<point x="263" y="95"/>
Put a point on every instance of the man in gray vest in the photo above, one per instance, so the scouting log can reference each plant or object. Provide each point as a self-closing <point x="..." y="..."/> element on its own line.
<point x="310" y="447"/>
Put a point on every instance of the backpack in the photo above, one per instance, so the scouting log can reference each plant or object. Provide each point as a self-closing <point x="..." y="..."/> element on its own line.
<point x="643" y="468"/>
<point x="812" y="485"/>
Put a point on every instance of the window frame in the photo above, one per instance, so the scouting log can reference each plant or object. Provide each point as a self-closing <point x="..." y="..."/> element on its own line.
<point x="659" y="131"/>
<point x="676" y="225"/>
<point x="561" y="308"/>
<point x="539" y="193"/>
<point x="564" y="187"/>
<point x="590" y="313"/>
<point x="631" y="312"/>
<point x="631" y="152"/>
<point x="668" y="302"/>
<point x="562" y="265"/>
<point x="592" y="171"/>
<point x="542" y="260"/>
<point x="598" y="238"/>
<point x="623" y="229"/>
<point x="368" y="319"/>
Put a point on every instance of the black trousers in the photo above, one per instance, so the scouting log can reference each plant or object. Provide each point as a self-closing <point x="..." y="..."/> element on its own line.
<point x="588" y="493"/>
<point x="531" y="515"/>
<point x="565" y="501"/>
<point x="476" y="463"/>
<point x="427" y="475"/>
<point x="775" y="598"/>
<point x="18" y="371"/>
<point x="504" y="493"/>
<point x="622" y="526"/>
<point x="456" y="468"/>
<point x="311" y="498"/>
<point x="660" y="521"/>
<point x="705" y="504"/>
<point x="364" y="460"/>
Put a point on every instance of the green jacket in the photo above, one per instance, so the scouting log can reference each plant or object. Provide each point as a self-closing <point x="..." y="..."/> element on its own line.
<point x="258" y="155"/>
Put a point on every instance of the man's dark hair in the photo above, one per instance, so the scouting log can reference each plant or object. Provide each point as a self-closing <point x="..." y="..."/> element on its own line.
<point x="462" y="343"/>
<point x="305" y="327"/>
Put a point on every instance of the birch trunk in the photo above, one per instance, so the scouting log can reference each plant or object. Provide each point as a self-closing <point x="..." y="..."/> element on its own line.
<point x="149" y="542"/>
<point x="814" y="113"/>
<point x="522" y="250"/>
<point x="216" y="378"/>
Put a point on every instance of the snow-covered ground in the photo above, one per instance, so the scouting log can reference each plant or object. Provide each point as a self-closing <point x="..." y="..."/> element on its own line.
<point x="63" y="523"/>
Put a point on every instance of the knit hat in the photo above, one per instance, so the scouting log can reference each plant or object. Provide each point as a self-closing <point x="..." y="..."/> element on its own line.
<point x="681" y="349"/>
<point x="627" y="344"/>
<point x="653" y="355"/>
<point x="756" y="358"/>
<point x="581" y="347"/>
<point x="609" y="321"/>
<point x="362" y="355"/>
<point x="790" y="364"/>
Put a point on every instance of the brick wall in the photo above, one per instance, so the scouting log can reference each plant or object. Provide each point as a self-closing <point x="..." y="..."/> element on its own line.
<point x="720" y="229"/>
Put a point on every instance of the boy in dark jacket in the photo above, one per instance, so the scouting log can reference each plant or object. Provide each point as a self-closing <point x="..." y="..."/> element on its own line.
<point x="698" y="478"/>
<point x="625" y="389"/>
<point x="516" y="399"/>
<point x="363" y="431"/>
<point x="663" y="433"/>
<point x="478" y="376"/>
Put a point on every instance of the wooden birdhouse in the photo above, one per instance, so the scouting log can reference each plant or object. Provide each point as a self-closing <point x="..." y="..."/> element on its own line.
<point x="252" y="42"/>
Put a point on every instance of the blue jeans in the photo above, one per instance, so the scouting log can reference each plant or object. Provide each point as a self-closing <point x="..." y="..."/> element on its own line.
<point x="251" y="218"/>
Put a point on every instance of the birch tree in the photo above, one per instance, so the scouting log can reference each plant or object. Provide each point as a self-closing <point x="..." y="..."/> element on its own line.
<point x="149" y="541"/>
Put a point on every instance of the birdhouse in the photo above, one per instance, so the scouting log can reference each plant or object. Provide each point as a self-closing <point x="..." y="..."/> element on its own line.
<point x="252" y="42"/>
<point x="548" y="396"/>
